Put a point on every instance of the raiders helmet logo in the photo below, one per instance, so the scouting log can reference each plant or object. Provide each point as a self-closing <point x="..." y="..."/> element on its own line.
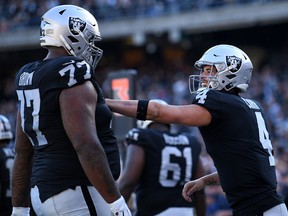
<point x="76" y="25"/>
<point x="233" y="60"/>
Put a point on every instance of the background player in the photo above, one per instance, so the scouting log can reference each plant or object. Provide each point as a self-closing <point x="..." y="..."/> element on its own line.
<point x="158" y="163"/>
<point x="6" y="165"/>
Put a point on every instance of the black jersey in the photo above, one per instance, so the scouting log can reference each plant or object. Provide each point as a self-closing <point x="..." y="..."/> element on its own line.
<point x="238" y="141"/>
<point x="56" y="166"/>
<point x="170" y="161"/>
<point x="6" y="165"/>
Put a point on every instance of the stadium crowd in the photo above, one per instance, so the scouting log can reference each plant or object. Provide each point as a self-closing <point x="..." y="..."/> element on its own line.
<point x="268" y="85"/>
<point x="19" y="14"/>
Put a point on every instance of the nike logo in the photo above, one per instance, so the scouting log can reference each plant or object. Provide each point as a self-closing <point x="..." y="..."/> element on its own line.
<point x="71" y="62"/>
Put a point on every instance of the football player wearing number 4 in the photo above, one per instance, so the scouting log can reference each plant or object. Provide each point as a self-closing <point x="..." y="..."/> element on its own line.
<point x="65" y="148"/>
<point x="158" y="164"/>
<point x="234" y="130"/>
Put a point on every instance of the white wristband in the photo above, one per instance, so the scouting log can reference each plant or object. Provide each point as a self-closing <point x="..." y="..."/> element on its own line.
<point x="20" y="211"/>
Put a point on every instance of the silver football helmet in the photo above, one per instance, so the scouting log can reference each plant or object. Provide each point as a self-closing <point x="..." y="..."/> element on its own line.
<point x="5" y="129"/>
<point x="73" y="28"/>
<point x="233" y="66"/>
<point x="145" y="124"/>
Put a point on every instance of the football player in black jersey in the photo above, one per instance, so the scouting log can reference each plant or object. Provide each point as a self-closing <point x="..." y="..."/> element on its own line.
<point x="65" y="148"/>
<point x="234" y="130"/>
<point x="158" y="163"/>
<point x="6" y="165"/>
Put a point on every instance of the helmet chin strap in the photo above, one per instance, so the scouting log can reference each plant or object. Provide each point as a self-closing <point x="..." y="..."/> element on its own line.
<point x="228" y="68"/>
<point x="213" y="84"/>
<point x="67" y="46"/>
<point x="216" y="84"/>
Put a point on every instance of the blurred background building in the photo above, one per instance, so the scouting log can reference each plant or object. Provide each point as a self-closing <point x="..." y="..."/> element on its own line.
<point x="161" y="39"/>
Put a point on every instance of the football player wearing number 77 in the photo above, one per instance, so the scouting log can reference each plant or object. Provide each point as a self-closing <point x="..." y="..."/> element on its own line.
<point x="234" y="130"/>
<point x="65" y="147"/>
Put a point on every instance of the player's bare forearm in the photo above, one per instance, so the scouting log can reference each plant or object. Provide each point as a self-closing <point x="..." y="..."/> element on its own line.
<point x="124" y="107"/>
<point x="95" y="165"/>
<point x="132" y="170"/>
<point x="22" y="168"/>
<point x="21" y="182"/>
<point x="130" y="108"/>
<point x="211" y="179"/>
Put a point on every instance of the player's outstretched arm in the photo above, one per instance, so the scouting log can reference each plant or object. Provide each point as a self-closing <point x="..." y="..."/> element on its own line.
<point x="191" y="115"/>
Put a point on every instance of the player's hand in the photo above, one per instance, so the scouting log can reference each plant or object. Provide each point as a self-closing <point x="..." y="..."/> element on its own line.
<point x="120" y="208"/>
<point x="191" y="187"/>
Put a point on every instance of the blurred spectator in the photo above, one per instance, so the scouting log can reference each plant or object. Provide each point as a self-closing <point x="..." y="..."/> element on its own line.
<point x="15" y="14"/>
<point x="217" y="204"/>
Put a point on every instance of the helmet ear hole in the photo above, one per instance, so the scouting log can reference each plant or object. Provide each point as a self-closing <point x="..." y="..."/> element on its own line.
<point x="231" y="76"/>
<point x="73" y="39"/>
